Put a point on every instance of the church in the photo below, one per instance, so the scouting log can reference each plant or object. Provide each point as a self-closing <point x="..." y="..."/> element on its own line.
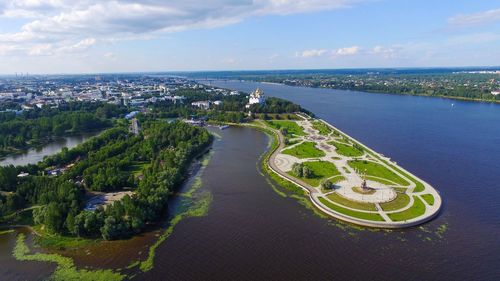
<point x="256" y="97"/>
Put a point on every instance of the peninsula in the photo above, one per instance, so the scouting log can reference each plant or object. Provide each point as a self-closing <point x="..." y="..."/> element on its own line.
<point x="347" y="180"/>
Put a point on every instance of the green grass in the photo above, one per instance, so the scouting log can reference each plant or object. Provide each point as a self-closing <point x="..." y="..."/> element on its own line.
<point x="377" y="170"/>
<point x="281" y="116"/>
<point x="351" y="213"/>
<point x="66" y="269"/>
<point x="351" y="204"/>
<point x="321" y="127"/>
<point x="320" y="171"/>
<point x="399" y="202"/>
<point x="419" y="187"/>
<point x="6" y="231"/>
<point x="58" y="242"/>
<point x="382" y="181"/>
<point x="304" y="150"/>
<point x="416" y="210"/>
<point x="428" y="198"/>
<point x="347" y="150"/>
<point x="291" y="126"/>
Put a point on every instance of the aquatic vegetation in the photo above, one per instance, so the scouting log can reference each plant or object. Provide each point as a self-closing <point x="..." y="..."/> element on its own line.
<point x="6" y="231"/>
<point x="66" y="268"/>
<point x="200" y="209"/>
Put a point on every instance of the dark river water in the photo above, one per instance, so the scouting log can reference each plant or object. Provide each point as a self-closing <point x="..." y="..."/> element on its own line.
<point x="34" y="155"/>
<point x="253" y="233"/>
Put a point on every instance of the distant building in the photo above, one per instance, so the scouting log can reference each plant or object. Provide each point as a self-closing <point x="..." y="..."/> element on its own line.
<point x="256" y="97"/>
<point x="201" y="104"/>
<point x="131" y="115"/>
<point x="218" y="102"/>
<point x="22" y="175"/>
<point x="495" y="93"/>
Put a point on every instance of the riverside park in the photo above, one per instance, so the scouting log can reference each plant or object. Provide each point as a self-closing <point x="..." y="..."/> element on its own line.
<point x="347" y="180"/>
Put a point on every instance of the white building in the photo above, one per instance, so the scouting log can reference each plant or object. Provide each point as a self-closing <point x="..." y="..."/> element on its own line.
<point x="495" y="93"/>
<point x="201" y="104"/>
<point x="256" y="97"/>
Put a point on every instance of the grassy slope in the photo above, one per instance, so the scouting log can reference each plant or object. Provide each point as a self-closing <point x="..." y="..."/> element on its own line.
<point x="416" y="210"/>
<point x="400" y="202"/>
<point x="360" y="215"/>
<point x="377" y="170"/>
<point x="351" y="204"/>
<point x="320" y="170"/>
<point x="321" y="127"/>
<point x="304" y="150"/>
<point x="346" y="150"/>
<point x="291" y="126"/>
<point x="428" y="198"/>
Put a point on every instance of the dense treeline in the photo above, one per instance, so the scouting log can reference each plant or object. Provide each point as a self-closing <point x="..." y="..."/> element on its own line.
<point x="104" y="163"/>
<point x="35" y="127"/>
<point x="456" y="85"/>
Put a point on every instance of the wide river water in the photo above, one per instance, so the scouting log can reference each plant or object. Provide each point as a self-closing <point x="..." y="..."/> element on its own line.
<point x="253" y="233"/>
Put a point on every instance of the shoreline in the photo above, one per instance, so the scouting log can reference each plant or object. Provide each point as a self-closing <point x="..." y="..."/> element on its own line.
<point x="375" y="92"/>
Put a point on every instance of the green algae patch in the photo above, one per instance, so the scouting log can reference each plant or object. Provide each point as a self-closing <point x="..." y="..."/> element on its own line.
<point x="6" y="231"/>
<point x="66" y="269"/>
<point x="200" y="209"/>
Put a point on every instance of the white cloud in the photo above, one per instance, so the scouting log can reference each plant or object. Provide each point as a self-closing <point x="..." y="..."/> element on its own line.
<point x="311" y="53"/>
<point x="386" y="52"/>
<point x="476" y="18"/>
<point x="40" y="50"/>
<point x="347" y="51"/>
<point x="65" y="23"/>
<point x="110" y="55"/>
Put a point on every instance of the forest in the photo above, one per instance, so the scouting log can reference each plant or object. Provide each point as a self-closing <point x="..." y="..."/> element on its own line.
<point x="103" y="163"/>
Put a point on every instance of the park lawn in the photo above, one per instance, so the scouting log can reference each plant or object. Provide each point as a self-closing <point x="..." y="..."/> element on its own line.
<point x="419" y="187"/>
<point x="304" y="150"/>
<point x="320" y="171"/>
<point x="277" y="116"/>
<point x="291" y="126"/>
<point x="351" y="213"/>
<point x="347" y="150"/>
<point x="416" y="210"/>
<point x="321" y="127"/>
<point x="399" y="202"/>
<point x="382" y="181"/>
<point x="333" y="180"/>
<point x="377" y="170"/>
<point x="428" y="198"/>
<point x="351" y="204"/>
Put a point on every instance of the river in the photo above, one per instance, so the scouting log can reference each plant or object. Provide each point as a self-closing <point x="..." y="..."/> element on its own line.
<point x="34" y="155"/>
<point x="253" y="233"/>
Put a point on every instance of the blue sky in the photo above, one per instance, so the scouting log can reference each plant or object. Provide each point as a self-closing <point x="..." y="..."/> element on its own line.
<point x="85" y="36"/>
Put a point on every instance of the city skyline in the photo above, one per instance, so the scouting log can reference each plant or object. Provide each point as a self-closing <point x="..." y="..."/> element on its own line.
<point x="87" y="36"/>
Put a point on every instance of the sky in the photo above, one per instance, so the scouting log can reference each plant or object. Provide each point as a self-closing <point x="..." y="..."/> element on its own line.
<point x="98" y="36"/>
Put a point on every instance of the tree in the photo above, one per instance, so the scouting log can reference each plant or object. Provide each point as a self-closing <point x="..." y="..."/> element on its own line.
<point x="306" y="172"/>
<point x="298" y="170"/>
<point x="327" y="185"/>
